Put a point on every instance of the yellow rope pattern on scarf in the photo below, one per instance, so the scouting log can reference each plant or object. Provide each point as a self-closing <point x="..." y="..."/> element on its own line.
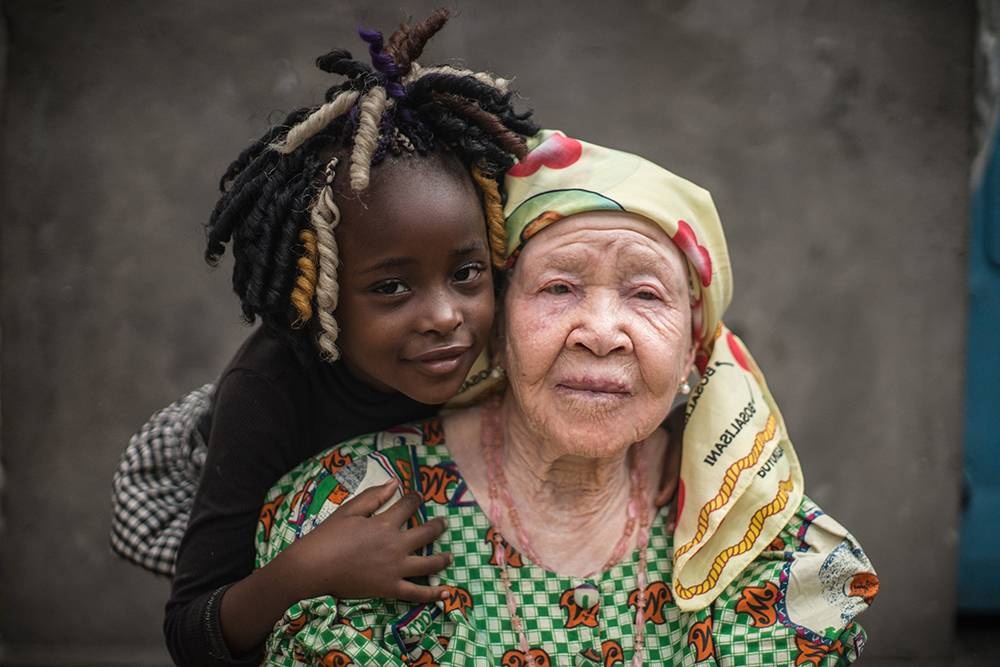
<point x="744" y="545"/>
<point x="729" y="483"/>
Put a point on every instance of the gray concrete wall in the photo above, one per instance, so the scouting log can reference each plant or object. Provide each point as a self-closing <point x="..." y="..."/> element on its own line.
<point x="833" y="135"/>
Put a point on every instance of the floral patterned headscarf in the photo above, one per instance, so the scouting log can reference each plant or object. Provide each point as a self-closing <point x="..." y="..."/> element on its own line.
<point x="740" y="478"/>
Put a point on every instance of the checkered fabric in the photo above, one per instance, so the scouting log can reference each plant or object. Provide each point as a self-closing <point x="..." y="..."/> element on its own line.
<point x="744" y="626"/>
<point x="155" y="482"/>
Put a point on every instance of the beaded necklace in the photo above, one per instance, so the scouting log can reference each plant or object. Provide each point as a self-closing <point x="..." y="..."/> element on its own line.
<point x="492" y="440"/>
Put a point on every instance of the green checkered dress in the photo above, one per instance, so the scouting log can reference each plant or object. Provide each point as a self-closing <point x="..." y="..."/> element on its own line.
<point x="569" y="621"/>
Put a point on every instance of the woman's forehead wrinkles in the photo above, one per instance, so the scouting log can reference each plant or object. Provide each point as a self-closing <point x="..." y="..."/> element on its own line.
<point x="628" y="253"/>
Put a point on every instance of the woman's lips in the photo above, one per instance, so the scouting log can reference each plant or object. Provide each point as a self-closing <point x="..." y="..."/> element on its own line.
<point x="595" y="387"/>
<point x="442" y="360"/>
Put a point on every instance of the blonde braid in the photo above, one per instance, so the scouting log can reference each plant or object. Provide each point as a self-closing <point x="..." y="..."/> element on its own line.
<point x="317" y="121"/>
<point x="324" y="216"/>
<point x="494" y="215"/>
<point x="305" y="282"/>
<point x="370" y="111"/>
<point x="417" y="72"/>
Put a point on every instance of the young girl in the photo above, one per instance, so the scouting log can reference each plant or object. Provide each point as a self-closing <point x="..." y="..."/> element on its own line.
<point x="359" y="234"/>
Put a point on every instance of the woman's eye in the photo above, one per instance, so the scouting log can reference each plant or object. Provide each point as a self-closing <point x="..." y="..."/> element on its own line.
<point x="390" y="287"/>
<point x="647" y="295"/>
<point x="469" y="272"/>
<point x="558" y="288"/>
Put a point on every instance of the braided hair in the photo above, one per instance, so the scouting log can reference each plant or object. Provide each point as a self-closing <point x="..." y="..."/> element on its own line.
<point x="277" y="206"/>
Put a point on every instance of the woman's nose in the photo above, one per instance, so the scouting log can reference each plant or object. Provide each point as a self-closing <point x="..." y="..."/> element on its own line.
<point x="601" y="328"/>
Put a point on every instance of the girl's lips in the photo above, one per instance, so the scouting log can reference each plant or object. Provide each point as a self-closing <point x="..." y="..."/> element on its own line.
<point x="443" y="360"/>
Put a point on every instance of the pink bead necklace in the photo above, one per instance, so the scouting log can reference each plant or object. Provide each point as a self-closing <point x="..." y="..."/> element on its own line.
<point x="492" y="440"/>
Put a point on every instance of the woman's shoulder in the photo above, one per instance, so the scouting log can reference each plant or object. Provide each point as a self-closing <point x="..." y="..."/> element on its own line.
<point x="811" y="582"/>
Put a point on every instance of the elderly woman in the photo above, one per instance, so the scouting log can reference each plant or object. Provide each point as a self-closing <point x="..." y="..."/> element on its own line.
<point x="618" y="278"/>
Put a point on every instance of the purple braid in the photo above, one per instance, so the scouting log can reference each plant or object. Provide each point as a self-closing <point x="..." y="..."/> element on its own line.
<point x="384" y="63"/>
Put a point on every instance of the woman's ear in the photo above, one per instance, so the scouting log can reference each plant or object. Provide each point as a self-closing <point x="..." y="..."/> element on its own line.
<point x="689" y="358"/>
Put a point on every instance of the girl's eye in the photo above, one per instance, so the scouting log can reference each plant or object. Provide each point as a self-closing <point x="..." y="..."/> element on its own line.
<point x="469" y="272"/>
<point x="391" y="288"/>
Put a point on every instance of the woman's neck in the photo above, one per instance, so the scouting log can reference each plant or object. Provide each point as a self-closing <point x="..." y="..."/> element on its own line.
<point x="567" y="488"/>
<point x="572" y="508"/>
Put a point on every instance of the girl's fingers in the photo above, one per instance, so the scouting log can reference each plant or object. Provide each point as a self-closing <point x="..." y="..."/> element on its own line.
<point x="402" y="509"/>
<point x="411" y="592"/>
<point x="369" y="500"/>
<point x="418" y="537"/>
<point x="422" y="566"/>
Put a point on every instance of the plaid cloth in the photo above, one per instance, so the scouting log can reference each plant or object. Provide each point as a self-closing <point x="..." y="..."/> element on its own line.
<point x="155" y="482"/>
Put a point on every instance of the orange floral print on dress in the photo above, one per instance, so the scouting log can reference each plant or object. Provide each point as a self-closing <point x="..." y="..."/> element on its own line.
<point x="516" y="658"/>
<point x="458" y="599"/>
<point x="759" y="602"/>
<point x="575" y="614"/>
<point x="267" y="514"/>
<point x="336" y="659"/>
<point x="335" y="460"/>
<point x="700" y="639"/>
<point x="657" y="597"/>
<point x="499" y="544"/>
<point x="864" y="585"/>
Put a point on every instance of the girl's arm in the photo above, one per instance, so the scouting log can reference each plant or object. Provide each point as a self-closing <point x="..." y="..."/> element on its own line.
<point x="352" y="554"/>
<point x="220" y="609"/>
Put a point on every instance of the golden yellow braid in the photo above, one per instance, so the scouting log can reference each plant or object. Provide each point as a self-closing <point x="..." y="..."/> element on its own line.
<point x="305" y="282"/>
<point x="494" y="215"/>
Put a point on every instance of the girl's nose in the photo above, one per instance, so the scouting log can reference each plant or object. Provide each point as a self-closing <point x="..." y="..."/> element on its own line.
<point x="442" y="314"/>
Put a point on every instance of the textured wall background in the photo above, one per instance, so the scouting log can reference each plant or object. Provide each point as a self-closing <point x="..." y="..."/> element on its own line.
<point x="832" y="134"/>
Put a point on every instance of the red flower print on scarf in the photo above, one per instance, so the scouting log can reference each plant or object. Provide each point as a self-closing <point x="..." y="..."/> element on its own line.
<point x="737" y="351"/>
<point x="758" y="602"/>
<point x="696" y="253"/>
<point x="556" y="152"/>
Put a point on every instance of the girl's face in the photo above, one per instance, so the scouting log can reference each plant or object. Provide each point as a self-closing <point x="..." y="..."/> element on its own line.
<point x="416" y="291"/>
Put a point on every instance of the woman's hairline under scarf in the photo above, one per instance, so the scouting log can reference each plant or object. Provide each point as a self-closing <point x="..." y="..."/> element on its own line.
<point x="740" y="478"/>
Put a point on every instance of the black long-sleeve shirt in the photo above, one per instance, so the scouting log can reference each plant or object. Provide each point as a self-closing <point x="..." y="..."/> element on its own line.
<point x="273" y="409"/>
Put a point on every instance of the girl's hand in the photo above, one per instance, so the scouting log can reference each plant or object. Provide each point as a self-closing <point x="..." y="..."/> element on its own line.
<point x="356" y="553"/>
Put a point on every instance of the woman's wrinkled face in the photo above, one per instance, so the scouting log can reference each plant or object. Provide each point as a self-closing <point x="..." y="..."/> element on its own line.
<point x="597" y="321"/>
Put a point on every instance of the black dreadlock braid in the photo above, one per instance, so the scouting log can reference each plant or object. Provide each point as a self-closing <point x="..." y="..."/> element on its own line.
<point x="268" y="209"/>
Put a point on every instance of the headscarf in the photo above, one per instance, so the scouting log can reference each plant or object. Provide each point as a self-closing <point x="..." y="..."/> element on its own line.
<point x="740" y="480"/>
